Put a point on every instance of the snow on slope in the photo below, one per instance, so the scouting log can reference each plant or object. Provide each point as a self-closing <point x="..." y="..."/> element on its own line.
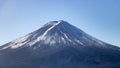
<point x="56" y="33"/>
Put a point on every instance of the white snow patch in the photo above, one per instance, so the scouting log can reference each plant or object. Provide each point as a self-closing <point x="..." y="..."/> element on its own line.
<point x="52" y="42"/>
<point x="47" y="41"/>
<point x="67" y="37"/>
<point x="18" y="42"/>
<point x="94" y="39"/>
<point x="32" y="42"/>
<point x="4" y="48"/>
<point x="63" y="40"/>
<point x="78" y="41"/>
<point x="42" y="37"/>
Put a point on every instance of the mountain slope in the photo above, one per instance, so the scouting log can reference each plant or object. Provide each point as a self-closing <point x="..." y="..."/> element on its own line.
<point x="59" y="44"/>
<point x="54" y="33"/>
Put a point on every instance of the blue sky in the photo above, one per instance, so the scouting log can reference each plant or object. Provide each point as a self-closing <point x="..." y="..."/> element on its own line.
<point x="99" y="18"/>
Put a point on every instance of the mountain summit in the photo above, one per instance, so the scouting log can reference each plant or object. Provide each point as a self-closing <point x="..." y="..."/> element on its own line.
<point x="59" y="44"/>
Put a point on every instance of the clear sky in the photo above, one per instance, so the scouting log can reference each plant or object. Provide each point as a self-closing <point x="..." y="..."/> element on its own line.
<point x="99" y="18"/>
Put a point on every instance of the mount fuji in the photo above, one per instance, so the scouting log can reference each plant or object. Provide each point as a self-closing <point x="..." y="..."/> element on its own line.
<point x="59" y="44"/>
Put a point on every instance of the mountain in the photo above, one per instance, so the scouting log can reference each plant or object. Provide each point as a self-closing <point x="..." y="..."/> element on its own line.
<point x="59" y="44"/>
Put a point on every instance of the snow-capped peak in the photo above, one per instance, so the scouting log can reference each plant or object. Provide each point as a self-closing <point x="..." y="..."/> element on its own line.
<point x="55" y="33"/>
<point x="55" y="24"/>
